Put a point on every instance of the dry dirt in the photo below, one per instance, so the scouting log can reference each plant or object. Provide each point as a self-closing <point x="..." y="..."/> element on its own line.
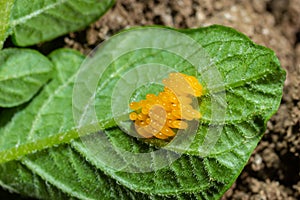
<point x="273" y="171"/>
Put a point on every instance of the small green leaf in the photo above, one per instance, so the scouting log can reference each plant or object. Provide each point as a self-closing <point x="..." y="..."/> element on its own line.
<point x="42" y="20"/>
<point x="22" y="73"/>
<point x="5" y="9"/>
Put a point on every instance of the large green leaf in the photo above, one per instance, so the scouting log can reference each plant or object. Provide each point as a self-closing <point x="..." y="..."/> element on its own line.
<point x="22" y="73"/>
<point x="253" y="81"/>
<point x="42" y="20"/>
<point x="5" y="8"/>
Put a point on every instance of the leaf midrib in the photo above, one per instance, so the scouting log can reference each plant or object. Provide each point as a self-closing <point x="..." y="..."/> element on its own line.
<point x="24" y="19"/>
<point x="24" y="75"/>
<point x="63" y="137"/>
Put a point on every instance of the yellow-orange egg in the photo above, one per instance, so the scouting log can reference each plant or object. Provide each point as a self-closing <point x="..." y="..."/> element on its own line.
<point x="158" y="115"/>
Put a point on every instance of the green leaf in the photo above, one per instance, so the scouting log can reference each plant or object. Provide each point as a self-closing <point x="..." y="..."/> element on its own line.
<point x="253" y="81"/>
<point x="42" y="20"/>
<point x="5" y="8"/>
<point x="22" y="73"/>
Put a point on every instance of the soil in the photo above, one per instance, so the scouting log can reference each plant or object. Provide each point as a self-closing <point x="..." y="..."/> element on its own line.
<point x="273" y="171"/>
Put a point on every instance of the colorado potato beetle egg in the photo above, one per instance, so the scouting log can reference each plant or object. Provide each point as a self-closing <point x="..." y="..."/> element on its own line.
<point x="158" y="116"/>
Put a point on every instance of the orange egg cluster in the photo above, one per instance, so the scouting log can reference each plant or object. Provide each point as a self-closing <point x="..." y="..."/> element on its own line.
<point x="159" y="115"/>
